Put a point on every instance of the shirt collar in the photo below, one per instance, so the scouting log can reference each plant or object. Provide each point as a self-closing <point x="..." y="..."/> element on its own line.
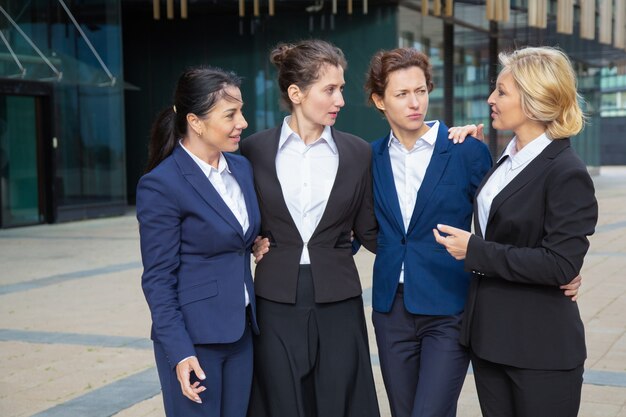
<point x="527" y="153"/>
<point x="208" y="169"/>
<point x="287" y="134"/>
<point x="429" y="137"/>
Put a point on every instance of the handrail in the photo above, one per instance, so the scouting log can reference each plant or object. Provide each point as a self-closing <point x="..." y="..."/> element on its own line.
<point x="91" y="47"/>
<point x="15" y="58"/>
<point x="58" y="73"/>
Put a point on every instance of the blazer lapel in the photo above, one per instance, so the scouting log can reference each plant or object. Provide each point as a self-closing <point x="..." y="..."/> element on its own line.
<point x="477" y="228"/>
<point x="436" y="168"/>
<point x="194" y="175"/>
<point x="531" y="171"/>
<point x="383" y="172"/>
<point x="338" y="187"/>
<point x="249" y="196"/>
<point x="271" y="187"/>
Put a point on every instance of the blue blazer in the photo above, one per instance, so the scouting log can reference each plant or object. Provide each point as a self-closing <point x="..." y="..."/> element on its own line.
<point x="434" y="282"/>
<point x="195" y="255"/>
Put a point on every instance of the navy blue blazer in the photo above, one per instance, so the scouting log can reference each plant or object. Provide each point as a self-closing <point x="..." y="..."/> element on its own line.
<point x="195" y="255"/>
<point x="434" y="282"/>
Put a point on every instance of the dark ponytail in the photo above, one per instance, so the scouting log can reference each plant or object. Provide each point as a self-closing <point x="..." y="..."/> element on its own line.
<point x="162" y="138"/>
<point x="197" y="91"/>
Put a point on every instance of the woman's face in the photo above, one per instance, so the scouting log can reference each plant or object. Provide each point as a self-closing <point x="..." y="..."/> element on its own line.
<point x="405" y="102"/>
<point x="506" y="104"/>
<point x="223" y="125"/>
<point x="321" y="102"/>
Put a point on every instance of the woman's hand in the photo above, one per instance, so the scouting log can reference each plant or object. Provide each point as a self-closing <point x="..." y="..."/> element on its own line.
<point x="571" y="289"/>
<point x="183" y="373"/>
<point x="260" y="247"/>
<point x="455" y="242"/>
<point x="459" y="133"/>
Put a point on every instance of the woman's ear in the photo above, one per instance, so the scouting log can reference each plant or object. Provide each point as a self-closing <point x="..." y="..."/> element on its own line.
<point x="378" y="102"/>
<point x="195" y="123"/>
<point x="295" y="94"/>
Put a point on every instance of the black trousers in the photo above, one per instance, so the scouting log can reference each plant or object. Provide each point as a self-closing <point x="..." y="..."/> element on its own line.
<point x="312" y="360"/>
<point x="506" y="391"/>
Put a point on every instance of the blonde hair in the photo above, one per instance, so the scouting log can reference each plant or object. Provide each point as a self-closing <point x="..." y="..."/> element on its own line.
<point x="547" y="85"/>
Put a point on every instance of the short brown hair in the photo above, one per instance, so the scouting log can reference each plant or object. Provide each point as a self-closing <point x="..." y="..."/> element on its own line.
<point x="384" y="63"/>
<point x="300" y="64"/>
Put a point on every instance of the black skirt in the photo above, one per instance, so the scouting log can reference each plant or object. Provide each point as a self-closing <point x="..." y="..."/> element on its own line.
<point x="312" y="360"/>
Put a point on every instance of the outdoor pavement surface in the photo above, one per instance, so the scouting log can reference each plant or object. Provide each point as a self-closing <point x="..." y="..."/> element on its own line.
<point x="74" y="324"/>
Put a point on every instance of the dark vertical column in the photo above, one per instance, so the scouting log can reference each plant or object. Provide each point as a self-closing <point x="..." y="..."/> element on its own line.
<point x="448" y="73"/>
<point x="493" y="75"/>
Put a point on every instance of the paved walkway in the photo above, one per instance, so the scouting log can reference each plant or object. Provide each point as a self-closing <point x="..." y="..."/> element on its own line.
<point x="74" y="323"/>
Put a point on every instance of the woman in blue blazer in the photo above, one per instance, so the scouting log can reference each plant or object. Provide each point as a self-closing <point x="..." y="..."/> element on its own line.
<point x="533" y="213"/>
<point x="421" y="178"/>
<point x="198" y="216"/>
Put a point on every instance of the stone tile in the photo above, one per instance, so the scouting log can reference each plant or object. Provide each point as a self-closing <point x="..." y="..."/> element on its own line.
<point x="152" y="407"/>
<point x="35" y="377"/>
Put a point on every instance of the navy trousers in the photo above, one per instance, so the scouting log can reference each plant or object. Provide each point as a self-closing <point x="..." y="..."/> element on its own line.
<point x="422" y="363"/>
<point x="228" y="369"/>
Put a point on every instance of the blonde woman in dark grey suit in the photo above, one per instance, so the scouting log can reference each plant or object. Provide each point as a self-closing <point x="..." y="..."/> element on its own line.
<point x="532" y="215"/>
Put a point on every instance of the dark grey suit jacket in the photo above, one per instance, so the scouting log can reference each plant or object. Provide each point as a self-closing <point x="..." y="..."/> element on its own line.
<point x="349" y="208"/>
<point x="536" y="240"/>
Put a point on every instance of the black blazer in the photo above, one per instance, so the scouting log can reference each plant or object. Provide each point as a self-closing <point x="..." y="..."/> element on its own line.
<point x="349" y="208"/>
<point x="536" y="240"/>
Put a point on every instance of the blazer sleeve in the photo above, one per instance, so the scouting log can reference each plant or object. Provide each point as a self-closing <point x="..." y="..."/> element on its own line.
<point x="160" y="237"/>
<point x="571" y="212"/>
<point x="365" y="225"/>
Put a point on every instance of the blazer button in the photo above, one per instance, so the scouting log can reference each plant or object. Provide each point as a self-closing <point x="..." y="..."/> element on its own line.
<point x="242" y="252"/>
<point x="403" y="241"/>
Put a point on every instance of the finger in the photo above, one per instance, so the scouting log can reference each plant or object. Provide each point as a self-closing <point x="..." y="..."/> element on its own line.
<point x="447" y="229"/>
<point x="183" y="371"/>
<point x="195" y="365"/>
<point x="186" y="388"/>
<point x="578" y="280"/>
<point x="197" y="388"/>
<point x="453" y="133"/>
<point x="480" y="132"/>
<point x="257" y="258"/>
<point x="573" y="284"/>
<point x="575" y="298"/>
<point x="464" y="131"/>
<point x="440" y="239"/>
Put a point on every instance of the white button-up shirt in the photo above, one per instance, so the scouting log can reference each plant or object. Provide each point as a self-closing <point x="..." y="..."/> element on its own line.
<point x="409" y="167"/>
<point x="228" y="188"/>
<point x="306" y="174"/>
<point x="510" y="168"/>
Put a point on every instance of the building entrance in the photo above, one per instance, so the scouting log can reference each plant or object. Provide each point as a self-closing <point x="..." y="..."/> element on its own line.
<point x="22" y="173"/>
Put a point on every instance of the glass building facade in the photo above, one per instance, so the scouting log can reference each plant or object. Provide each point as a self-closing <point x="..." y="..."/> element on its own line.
<point x="82" y="80"/>
<point x="61" y="111"/>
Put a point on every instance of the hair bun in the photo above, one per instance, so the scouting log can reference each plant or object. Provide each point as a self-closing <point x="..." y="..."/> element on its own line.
<point x="279" y="53"/>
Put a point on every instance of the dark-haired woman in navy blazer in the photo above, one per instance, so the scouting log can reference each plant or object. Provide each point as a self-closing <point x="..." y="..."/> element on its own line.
<point x="198" y="217"/>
